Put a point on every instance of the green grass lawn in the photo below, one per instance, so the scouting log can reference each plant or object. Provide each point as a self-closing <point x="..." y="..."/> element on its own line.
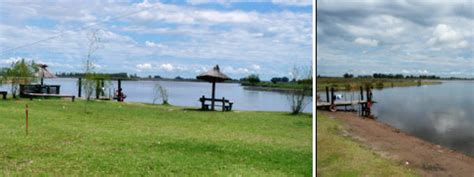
<point x="108" y="138"/>
<point x="339" y="155"/>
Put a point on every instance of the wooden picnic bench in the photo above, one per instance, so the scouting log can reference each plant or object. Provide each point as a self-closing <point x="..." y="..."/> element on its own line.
<point x="4" y="93"/>
<point x="31" y="95"/>
<point x="36" y="88"/>
<point x="226" y="104"/>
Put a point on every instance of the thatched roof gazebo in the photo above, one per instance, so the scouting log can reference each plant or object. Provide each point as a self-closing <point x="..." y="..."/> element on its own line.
<point x="43" y="72"/>
<point x="214" y="75"/>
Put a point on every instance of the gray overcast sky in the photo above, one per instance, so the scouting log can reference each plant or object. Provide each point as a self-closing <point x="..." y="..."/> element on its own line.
<point x="399" y="36"/>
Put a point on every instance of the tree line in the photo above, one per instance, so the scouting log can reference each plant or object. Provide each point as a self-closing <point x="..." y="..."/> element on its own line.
<point x="391" y="76"/>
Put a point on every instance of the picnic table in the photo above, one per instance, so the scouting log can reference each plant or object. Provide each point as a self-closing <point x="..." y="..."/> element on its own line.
<point x="226" y="104"/>
<point x="36" y="88"/>
<point x="31" y="95"/>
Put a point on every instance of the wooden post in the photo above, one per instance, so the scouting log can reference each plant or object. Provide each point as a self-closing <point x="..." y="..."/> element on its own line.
<point x="332" y="95"/>
<point x="97" y="89"/>
<point x="327" y="94"/>
<point x="80" y="88"/>
<point x="367" y="94"/>
<point x="223" y="104"/>
<point x="119" y="84"/>
<point x="203" y="100"/>
<point x="361" y="93"/>
<point x="213" y="95"/>
<point x="42" y="80"/>
<point x="26" y="111"/>
<point x="102" y="87"/>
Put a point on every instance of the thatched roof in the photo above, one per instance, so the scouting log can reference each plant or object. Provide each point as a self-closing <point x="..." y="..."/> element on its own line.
<point x="43" y="72"/>
<point x="213" y="75"/>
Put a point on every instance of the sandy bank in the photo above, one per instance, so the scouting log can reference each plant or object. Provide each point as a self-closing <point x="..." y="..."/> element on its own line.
<point x="427" y="158"/>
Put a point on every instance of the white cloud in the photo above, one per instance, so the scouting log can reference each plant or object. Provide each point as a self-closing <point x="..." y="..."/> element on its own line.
<point x="152" y="44"/>
<point x="367" y="42"/>
<point x="293" y="2"/>
<point x="197" y="2"/>
<point x="181" y="15"/>
<point x="445" y="35"/>
<point x="255" y="67"/>
<point x="252" y="69"/>
<point x="143" y="66"/>
<point x="167" y="67"/>
<point x="9" y="61"/>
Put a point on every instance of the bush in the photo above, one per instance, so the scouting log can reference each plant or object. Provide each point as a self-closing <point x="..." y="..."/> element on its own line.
<point x="279" y="79"/>
<point x="253" y="79"/>
<point x="20" y="72"/>
<point x="160" y="92"/>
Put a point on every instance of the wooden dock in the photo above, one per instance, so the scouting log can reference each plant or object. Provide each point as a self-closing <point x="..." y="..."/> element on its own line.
<point x="340" y="103"/>
<point x="332" y="103"/>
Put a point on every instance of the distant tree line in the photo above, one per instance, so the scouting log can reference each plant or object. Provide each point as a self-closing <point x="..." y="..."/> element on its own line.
<point x="253" y="79"/>
<point x="110" y="75"/>
<point x="391" y="76"/>
<point x="279" y="79"/>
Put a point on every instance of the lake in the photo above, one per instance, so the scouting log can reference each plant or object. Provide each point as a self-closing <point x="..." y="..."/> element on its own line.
<point x="188" y="93"/>
<point x="442" y="114"/>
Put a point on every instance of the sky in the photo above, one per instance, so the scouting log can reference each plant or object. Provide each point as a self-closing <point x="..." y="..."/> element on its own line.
<point x="167" y="38"/>
<point x="423" y="37"/>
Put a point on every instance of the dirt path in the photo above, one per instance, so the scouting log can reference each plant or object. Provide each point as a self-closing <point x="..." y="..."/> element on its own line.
<point x="428" y="159"/>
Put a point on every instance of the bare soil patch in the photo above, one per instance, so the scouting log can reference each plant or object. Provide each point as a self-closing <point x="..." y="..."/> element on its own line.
<point x="427" y="158"/>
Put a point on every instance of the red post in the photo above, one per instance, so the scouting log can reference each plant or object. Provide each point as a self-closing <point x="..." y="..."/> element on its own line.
<point x="26" y="119"/>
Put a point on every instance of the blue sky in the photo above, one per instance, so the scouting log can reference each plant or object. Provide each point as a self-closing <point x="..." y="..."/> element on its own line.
<point x="167" y="38"/>
<point x="411" y="37"/>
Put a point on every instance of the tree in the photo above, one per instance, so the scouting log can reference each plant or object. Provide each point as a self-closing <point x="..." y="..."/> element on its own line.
<point x="20" y="72"/>
<point x="279" y="79"/>
<point x="347" y="75"/>
<point x="160" y="92"/>
<point x="275" y="80"/>
<point x="89" y="84"/>
<point x="297" y="98"/>
<point x="253" y="79"/>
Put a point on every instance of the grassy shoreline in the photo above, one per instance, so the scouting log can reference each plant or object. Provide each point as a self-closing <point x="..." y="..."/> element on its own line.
<point x="279" y="86"/>
<point x="339" y="155"/>
<point x="348" y="84"/>
<point x="129" y="139"/>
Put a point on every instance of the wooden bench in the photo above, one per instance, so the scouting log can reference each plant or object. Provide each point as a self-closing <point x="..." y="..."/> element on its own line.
<point x="225" y="104"/>
<point x="31" y="95"/>
<point x="4" y="93"/>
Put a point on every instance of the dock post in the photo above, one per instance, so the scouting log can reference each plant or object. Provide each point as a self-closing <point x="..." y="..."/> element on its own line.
<point x="119" y="84"/>
<point x="327" y="94"/>
<point x="361" y="93"/>
<point x="97" y="89"/>
<point x="332" y="96"/>
<point x="80" y="87"/>
<point x="102" y="84"/>
<point x="368" y="105"/>
<point x="223" y="104"/>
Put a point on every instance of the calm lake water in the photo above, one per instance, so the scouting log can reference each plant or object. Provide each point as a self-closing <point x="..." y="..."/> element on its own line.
<point x="442" y="114"/>
<point x="188" y="93"/>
